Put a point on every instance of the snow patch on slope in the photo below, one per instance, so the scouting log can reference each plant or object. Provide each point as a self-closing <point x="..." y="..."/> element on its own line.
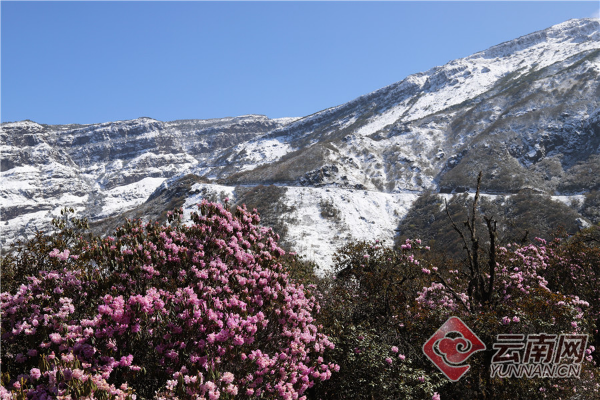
<point x="363" y="215"/>
<point x="261" y="151"/>
<point x="125" y="197"/>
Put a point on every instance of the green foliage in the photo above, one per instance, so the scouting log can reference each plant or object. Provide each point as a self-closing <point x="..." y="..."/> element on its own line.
<point x="584" y="174"/>
<point x="363" y="307"/>
<point x="521" y="218"/>
<point x="591" y="206"/>
<point x="269" y="203"/>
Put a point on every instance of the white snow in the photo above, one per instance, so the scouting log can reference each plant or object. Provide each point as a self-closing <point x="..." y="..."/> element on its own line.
<point x="364" y="215"/>
<point x="23" y="124"/>
<point x="126" y="197"/>
<point x="261" y="151"/>
<point x="467" y="78"/>
<point x="569" y="199"/>
<point x="191" y="202"/>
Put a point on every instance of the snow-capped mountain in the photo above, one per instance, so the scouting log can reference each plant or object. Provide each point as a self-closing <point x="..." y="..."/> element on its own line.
<point x="526" y="112"/>
<point x="524" y="101"/>
<point x="105" y="169"/>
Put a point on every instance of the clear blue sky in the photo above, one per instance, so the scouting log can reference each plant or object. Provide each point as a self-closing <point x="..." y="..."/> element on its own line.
<point x="87" y="62"/>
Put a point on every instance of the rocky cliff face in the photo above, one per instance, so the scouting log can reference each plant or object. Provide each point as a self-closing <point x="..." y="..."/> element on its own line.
<point x="526" y="112"/>
<point x="105" y="169"/>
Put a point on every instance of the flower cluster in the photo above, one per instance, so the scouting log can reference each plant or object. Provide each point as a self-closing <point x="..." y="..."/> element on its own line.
<point x="519" y="282"/>
<point x="204" y="310"/>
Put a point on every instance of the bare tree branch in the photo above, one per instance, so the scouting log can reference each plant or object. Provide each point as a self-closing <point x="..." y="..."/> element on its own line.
<point x="492" y="227"/>
<point x="474" y="239"/>
<point x="462" y="236"/>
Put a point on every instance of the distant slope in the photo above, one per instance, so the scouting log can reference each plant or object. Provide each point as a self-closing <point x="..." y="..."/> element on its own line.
<point x="525" y="112"/>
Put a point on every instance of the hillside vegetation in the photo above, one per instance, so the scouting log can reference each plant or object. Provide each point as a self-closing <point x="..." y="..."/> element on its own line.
<point x="216" y="309"/>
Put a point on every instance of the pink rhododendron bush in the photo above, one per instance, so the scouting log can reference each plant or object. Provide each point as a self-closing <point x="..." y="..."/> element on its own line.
<point x="170" y="311"/>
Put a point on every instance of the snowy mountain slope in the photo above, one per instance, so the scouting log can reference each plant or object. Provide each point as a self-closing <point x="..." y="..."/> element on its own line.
<point x="321" y="220"/>
<point x="104" y="169"/>
<point x="410" y="134"/>
<point x="357" y="214"/>
<point x="526" y="112"/>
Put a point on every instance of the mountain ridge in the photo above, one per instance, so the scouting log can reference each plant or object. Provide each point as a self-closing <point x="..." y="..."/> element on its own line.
<point x="526" y="112"/>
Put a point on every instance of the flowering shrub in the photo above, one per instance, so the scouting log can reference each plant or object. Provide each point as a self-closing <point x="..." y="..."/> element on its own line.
<point x="364" y="310"/>
<point x="505" y="290"/>
<point x="205" y="311"/>
<point x="382" y="305"/>
<point x="574" y="268"/>
<point x="520" y="302"/>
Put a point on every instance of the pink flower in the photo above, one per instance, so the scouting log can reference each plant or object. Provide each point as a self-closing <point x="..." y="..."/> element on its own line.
<point x="516" y="319"/>
<point x="232" y="389"/>
<point x="436" y="396"/>
<point x="78" y="374"/>
<point x="238" y="340"/>
<point x="394" y="349"/>
<point x="227" y="377"/>
<point x="402" y="357"/>
<point x="35" y="373"/>
<point x="60" y="255"/>
<point x="388" y="360"/>
<point x="126" y="361"/>
<point x="55" y="338"/>
<point x="505" y="320"/>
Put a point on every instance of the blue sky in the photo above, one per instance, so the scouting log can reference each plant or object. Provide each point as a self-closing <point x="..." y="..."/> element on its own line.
<point x="88" y="62"/>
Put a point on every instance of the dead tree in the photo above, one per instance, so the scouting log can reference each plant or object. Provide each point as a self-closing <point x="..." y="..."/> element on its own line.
<point x="480" y="287"/>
